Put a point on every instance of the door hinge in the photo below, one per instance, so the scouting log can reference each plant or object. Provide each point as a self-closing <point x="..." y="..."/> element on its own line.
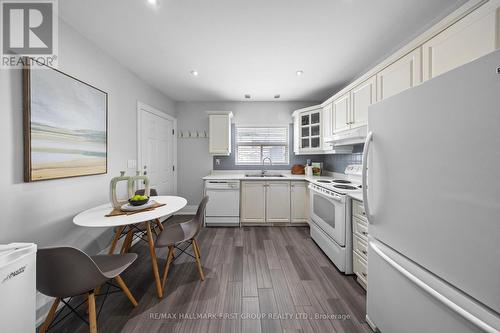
<point x="173" y="167"/>
<point x="173" y="132"/>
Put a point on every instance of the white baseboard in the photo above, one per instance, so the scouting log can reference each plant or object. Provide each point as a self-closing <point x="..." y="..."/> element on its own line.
<point x="188" y="210"/>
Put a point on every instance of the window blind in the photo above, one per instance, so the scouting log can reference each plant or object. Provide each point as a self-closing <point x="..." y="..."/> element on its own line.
<point x="253" y="144"/>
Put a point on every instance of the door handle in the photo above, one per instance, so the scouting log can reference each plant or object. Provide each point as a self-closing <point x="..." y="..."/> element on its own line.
<point x="366" y="150"/>
<point x="432" y="292"/>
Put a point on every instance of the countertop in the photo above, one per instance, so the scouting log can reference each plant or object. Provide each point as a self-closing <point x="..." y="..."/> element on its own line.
<point x="357" y="196"/>
<point x="226" y="175"/>
<point x="241" y="176"/>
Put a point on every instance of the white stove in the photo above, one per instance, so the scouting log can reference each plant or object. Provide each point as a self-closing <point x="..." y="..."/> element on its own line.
<point x="351" y="183"/>
<point x="330" y="216"/>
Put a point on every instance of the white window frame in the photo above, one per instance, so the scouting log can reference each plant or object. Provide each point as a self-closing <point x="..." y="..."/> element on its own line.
<point x="263" y="144"/>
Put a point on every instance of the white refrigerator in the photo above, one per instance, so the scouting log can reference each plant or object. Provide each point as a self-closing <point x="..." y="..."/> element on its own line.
<point x="432" y="195"/>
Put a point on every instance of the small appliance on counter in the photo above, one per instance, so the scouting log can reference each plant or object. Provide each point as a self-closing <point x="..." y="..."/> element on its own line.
<point x="316" y="168"/>
<point x="298" y="169"/>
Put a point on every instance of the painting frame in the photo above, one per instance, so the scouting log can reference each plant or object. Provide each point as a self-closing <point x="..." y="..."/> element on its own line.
<point x="27" y="120"/>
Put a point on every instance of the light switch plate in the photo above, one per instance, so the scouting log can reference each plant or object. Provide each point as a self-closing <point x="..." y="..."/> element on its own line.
<point x="132" y="164"/>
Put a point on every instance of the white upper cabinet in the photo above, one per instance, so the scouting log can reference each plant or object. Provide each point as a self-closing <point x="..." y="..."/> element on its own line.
<point x="308" y="131"/>
<point x="296" y="134"/>
<point x="468" y="33"/>
<point x="327" y="124"/>
<point x="472" y="37"/>
<point x="402" y="74"/>
<point x="219" y="126"/>
<point x="362" y="96"/>
<point x="341" y="111"/>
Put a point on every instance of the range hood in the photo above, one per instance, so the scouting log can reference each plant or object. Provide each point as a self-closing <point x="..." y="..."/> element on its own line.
<point x="348" y="137"/>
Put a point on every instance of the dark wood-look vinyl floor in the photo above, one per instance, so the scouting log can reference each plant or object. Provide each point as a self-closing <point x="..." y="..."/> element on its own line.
<point x="258" y="279"/>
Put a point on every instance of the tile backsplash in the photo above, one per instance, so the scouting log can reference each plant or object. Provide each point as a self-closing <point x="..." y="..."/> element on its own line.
<point x="338" y="162"/>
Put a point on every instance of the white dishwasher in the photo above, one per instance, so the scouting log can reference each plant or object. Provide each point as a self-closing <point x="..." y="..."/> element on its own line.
<point x="223" y="208"/>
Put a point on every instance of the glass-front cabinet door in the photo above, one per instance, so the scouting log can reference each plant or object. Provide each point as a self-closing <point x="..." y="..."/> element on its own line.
<point x="310" y="130"/>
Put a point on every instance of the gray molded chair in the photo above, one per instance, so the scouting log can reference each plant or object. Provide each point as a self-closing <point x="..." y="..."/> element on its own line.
<point x="63" y="272"/>
<point x="135" y="230"/>
<point x="185" y="232"/>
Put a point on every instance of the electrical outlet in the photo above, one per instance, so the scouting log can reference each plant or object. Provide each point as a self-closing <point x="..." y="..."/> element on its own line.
<point x="217" y="161"/>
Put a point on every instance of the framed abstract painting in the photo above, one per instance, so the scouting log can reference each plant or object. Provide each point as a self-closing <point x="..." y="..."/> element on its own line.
<point x="65" y="125"/>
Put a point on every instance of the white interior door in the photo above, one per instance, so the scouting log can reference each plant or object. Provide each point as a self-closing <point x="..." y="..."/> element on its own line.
<point x="157" y="153"/>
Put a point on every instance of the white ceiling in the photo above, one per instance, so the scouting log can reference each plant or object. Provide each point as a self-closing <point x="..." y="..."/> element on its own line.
<point x="251" y="47"/>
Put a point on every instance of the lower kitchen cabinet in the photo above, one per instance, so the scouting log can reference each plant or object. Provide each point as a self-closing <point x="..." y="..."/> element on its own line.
<point x="360" y="242"/>
<point x="278" y="201"/>
<point x="253" y="202"/>
<point x="299" y="202"/>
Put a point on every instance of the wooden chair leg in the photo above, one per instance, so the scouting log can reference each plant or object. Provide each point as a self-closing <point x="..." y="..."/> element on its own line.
<point x="170" y="257"/>
<point x="159" y="224"/>
<point x="156" y="231"/>
<point x="126" y="291"/>
<point x="115" y="239"/>
<point x="128" y="241"/>
<point x="198" y="249"/>
<point x="92" y="313"/>
<point x="194" y="244"/>
<point x="50" y="316"/>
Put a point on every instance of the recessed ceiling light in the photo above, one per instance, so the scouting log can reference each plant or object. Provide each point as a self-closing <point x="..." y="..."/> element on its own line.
<point x="153" y="2"/>
<point x="247" y="96"/>
<point x="277" y="96"/>
<point x="194" y="73"/>
<point x="299" y="73"/>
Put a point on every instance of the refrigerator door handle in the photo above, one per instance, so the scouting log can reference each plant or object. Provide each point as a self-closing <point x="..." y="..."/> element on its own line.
<point x="429" y="290"/>
<point x="366" y="150"/>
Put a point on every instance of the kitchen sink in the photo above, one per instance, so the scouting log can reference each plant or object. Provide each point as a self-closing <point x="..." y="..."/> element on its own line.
<point x="263" y="175"/>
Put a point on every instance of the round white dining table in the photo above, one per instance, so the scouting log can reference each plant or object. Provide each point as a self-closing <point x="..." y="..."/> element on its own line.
<point x="96" y="218"/>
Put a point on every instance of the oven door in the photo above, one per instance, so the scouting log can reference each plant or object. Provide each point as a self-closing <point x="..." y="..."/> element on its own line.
<point x="328" y="213"/>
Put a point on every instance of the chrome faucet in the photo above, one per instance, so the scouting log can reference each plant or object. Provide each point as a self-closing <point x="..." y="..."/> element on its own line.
<point x="263" y="160"/>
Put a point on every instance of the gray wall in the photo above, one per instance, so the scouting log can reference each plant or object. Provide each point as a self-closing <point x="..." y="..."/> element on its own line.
<point x="194" y="161"/>
<point x="42" y="212"/>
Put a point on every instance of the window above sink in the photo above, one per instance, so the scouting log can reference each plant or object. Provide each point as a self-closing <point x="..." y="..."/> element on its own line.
<point x="254" y="144"/>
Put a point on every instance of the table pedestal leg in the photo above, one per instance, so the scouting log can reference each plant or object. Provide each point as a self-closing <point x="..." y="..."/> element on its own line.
<point x="154" y="262"/>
